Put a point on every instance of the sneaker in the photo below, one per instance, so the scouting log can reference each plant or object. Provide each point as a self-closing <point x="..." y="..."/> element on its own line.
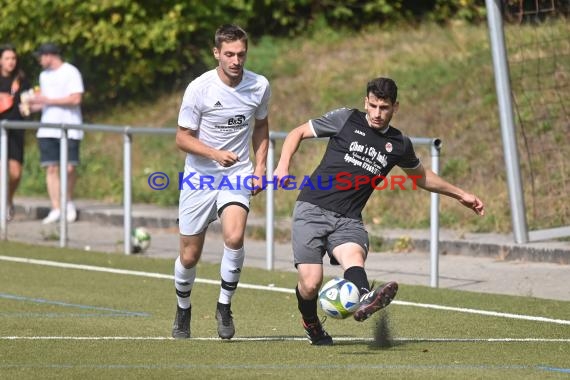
<point x="226" y="329"/>
<point x="52" y="217"/>
<point x="71" y="213"/>
<point x="316" y="334"/>
<point x="375" y="300"/>
<point x="181" y="327"/>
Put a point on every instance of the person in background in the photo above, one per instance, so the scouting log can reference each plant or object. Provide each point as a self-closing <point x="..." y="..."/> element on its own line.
<point x="13" y="83"/>
<point x="61" y="92"/>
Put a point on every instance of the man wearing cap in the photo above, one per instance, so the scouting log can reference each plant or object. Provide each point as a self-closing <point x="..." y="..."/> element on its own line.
<point x="61" y="89"/>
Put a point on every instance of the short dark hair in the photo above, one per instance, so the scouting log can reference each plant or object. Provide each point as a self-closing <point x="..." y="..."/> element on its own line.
<point x="229" y="33"/>
<point x="48" y="48"/>
<point x="383" y="88"/>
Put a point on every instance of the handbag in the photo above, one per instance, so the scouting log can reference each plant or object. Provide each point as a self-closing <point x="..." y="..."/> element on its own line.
<point x="7" y="100"/>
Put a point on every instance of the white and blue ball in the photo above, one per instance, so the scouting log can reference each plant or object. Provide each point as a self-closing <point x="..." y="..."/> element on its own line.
<point x="339" y="298"/>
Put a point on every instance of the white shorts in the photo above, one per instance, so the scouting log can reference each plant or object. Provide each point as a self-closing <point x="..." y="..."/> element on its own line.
<point x="198" y="208"/>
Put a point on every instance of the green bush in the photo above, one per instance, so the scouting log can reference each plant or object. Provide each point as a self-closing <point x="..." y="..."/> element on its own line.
<point x="137" y="48"/>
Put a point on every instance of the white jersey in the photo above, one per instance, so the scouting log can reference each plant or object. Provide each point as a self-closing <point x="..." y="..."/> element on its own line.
<point x="59" y="83"/>
<point x="223" y="117"/>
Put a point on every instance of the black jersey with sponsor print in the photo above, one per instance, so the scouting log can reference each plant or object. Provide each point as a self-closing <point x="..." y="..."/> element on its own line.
<point x="356" y="157"/>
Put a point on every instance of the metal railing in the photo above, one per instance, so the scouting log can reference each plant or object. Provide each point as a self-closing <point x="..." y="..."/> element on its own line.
<point x="128" y="132"/>
<point x="435" y="147"/>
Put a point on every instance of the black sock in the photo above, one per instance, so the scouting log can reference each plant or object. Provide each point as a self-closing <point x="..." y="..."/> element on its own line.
<point x="357" y="275"/>
<point x="308" y="308"/>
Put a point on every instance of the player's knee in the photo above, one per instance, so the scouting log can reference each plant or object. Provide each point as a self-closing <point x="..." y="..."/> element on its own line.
<point x="52" y="170"/>
<point x="234" y="241"/>
<point x="15" y="175"/>
<point x="189" y="259"/>
<point x="308" y="288"/>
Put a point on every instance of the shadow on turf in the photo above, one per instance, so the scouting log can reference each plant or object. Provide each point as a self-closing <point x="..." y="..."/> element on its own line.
<point x="382" y="338"/>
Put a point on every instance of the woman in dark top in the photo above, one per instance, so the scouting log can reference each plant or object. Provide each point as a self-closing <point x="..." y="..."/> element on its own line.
<point x="12" y="84"/>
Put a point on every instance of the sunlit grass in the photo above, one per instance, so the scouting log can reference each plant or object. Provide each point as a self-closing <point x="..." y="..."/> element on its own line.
<point x="85" y="312"/>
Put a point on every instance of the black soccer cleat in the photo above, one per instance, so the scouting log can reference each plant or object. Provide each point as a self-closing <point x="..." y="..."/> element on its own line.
<point x="316" y="334"/>
<point x="181" y="326"/>
<point x="375" y="300"/>
<point x="226" y="328"/>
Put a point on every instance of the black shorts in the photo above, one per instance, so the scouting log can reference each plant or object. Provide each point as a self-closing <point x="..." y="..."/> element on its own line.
<point x="16" y="145"/>
<point x="49" y="151"/>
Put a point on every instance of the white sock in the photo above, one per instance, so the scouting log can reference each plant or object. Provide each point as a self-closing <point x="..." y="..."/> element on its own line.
<point x="183" y="282"/>
<point x="230" y="271"/>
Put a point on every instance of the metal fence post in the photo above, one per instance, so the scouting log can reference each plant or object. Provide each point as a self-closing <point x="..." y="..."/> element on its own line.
<point x="63" y="187"/>
<point x="127" y="190"/>
<point x="506" y="116"/>
<point x="269" y="210"/>
<point x="434" y="218"/>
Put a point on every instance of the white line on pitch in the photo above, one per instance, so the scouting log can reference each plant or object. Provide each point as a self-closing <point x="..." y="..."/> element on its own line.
<point x="276" y="289"/>
<point x="483" y="312"/>
<point x="291" y="339"/>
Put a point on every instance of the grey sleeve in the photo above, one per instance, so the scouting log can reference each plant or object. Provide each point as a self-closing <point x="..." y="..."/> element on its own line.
<point x="330" y="123"/>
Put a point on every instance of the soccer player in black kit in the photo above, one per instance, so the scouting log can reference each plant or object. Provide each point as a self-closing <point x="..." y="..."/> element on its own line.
<point x="363" y="147"/>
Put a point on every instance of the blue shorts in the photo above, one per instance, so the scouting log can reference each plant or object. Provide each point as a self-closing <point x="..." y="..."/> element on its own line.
<point x="49" y="151"/>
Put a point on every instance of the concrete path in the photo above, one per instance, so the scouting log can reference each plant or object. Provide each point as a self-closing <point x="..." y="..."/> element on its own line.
<point x="100" y="229"/>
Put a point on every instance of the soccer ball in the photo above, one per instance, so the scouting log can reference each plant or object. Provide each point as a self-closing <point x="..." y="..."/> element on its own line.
<point x="339" y="298"/>
<point x="140" y="240"/>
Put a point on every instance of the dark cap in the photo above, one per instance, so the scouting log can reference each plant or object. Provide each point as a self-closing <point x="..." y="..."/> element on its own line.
<point x="47" y="48"/>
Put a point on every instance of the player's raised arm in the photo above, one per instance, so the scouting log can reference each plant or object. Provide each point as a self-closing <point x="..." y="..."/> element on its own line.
<point x="428" y="180"/>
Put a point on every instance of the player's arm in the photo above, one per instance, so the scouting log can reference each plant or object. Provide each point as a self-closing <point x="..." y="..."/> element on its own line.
<point x="39" y="101"/>
<point x="428" y="180"/>
<point x="290" y="146"/>
<point x="187" y="141"/>
<point x="260" y="141"/>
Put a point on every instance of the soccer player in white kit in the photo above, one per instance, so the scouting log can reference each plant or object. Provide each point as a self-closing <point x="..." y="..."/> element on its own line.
<point x="221" y="110"/>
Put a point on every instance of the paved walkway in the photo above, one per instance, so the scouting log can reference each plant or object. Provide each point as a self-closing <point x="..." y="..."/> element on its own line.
<point x="466" y="263"/>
